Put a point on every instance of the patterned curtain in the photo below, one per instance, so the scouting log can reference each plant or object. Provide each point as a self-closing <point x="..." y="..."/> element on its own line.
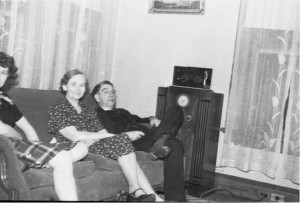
<point x="262" y="124"/>
<point x="49" y="37"/>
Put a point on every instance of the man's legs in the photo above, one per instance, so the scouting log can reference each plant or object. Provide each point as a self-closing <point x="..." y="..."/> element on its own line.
<point x="173" y="169"/>
<point x="167" y="130"/>
<point x="170" y="123"/>
<point x="174" y="183"/>
<point x="144" y="143"/>
<point x="174" y="180"/>
<point x="156" y="150"/>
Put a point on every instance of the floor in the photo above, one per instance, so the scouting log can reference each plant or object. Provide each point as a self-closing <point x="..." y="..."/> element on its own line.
<point x="217" y="196"/>
<point x="213" y="197"/>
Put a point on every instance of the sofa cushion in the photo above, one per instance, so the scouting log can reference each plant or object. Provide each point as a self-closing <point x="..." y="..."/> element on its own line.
<point x="44" y="177"/>
<point x="108" y="173"/>
<point x="104" y="163"/>
<point x="105" y="181"/>
<point x="152" y="169"/>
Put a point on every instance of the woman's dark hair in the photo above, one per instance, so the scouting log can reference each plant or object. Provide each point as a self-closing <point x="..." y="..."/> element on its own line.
<point x="98" y="86"/>
<point x="67" y="76"/>
<point x="7" y="61"/>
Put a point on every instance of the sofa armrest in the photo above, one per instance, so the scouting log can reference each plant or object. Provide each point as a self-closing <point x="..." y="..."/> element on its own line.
<point x="12" y="182"/>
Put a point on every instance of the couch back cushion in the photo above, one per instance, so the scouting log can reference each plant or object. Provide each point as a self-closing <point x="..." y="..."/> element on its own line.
<point x="34" y="105"/>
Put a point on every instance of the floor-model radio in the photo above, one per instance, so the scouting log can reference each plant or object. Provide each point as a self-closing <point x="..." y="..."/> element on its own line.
<point x="199" y="132"/>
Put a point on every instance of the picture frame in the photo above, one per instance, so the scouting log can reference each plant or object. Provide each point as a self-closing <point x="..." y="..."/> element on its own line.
<point x="196" y="7"/>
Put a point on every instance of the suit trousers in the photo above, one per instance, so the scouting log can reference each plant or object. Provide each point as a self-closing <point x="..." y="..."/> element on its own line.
<point x="173" y="164"/>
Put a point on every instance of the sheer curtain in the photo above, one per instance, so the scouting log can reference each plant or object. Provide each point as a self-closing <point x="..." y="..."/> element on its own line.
<point x="49" y="37"/>
<point x="262" y="124"/>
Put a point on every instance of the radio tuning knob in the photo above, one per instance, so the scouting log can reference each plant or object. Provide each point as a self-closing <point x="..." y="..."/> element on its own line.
<point x="188" y="118"/>
<point x="184" y="78"/>
<point x="197" y="79"/>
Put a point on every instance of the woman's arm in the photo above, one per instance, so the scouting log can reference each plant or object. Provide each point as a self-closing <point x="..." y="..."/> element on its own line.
<point x="8" y="131"/>
<point x="73" y="134"/>
<point x="27" y="129"/>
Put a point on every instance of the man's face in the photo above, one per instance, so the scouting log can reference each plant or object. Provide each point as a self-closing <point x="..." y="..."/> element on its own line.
<point x="106" y="96"/>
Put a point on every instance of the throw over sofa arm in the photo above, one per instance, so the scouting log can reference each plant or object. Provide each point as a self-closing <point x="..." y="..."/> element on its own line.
<point x="12" y="182"/>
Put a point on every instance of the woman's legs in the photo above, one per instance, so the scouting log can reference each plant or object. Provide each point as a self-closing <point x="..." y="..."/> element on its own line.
<point x="128" y="165"/>
<point x="64" y="182"/>
<point x="79" y="151"/>
<point x="135" y="176"/>
<point x="62" y="164"/>
<point x="145" y="185"/>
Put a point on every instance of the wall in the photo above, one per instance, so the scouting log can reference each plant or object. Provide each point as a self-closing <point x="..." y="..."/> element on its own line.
<point x="148" y="46"/>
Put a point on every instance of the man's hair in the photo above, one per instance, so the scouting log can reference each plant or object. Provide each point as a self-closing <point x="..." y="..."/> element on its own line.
<point x="7" y="61"/>
<point x="98" y="86"/>
<point x="67" y="76"/>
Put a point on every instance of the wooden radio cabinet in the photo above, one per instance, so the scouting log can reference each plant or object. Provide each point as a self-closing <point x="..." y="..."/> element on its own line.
<point x="199" y="132"/>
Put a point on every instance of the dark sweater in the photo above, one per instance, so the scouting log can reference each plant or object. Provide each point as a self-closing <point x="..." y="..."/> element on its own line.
<point x="120" y="120"/>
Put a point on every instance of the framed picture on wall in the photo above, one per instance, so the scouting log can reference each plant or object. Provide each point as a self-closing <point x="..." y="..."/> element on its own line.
<point x="177" y="6"/>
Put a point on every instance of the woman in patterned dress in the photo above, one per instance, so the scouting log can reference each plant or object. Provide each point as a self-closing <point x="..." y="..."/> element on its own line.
<point x="69" y="119"/>
<point x="36" y="154"/>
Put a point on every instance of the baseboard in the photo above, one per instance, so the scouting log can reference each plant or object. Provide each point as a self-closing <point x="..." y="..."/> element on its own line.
<point x="254" y="190"/>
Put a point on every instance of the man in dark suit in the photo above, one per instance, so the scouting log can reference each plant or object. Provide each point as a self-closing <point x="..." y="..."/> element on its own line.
<point x="159" y="141"/>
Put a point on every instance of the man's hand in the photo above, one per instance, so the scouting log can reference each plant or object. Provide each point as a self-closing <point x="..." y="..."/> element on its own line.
<point x="134" y="135"/>
<point x="154" y="121"/>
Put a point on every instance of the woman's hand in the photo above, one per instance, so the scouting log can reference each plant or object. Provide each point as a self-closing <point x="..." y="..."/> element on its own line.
<point x="27" y="128"/>
<point x="134" y="135"/>
<point x="88" y="142"/>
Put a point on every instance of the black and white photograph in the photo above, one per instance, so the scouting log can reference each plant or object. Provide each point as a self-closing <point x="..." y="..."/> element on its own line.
<point x="149" y="101"/>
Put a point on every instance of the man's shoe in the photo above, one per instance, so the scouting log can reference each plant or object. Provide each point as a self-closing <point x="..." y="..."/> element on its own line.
<point x="159" y="150"/>
<point x="159" y="153"/>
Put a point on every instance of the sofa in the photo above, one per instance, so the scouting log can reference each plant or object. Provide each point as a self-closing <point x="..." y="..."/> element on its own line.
<point x="97" y="178"/>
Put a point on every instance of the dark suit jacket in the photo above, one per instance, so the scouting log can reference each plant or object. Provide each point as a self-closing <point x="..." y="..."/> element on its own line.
<point x="120" y="120"/>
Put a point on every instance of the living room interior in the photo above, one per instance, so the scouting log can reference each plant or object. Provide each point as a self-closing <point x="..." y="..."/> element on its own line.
<point x="121" y="41"/>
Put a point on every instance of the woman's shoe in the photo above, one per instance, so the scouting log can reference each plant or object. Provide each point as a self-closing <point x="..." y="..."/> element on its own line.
<point x="142" y="198"/>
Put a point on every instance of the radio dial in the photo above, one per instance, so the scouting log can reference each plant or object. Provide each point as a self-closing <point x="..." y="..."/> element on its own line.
<point x="183" y="100"/>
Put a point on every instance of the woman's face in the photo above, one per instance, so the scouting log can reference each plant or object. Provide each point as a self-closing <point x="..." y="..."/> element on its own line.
<point x="75" y="88"/>
<point x="4" y="73"/>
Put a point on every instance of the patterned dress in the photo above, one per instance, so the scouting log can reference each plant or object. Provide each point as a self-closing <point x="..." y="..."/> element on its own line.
<point x="34" y="155"/>
<point x="63" y="114"/>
